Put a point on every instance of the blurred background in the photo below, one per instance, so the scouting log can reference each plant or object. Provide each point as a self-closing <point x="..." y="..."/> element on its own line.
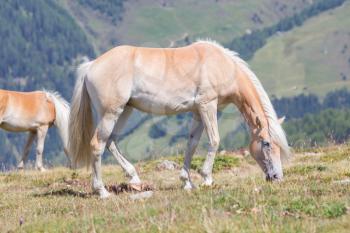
<point x="299" y="49"/>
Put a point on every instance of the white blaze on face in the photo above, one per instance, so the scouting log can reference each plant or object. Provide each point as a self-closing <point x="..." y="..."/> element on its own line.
<point x="277" y="171"/>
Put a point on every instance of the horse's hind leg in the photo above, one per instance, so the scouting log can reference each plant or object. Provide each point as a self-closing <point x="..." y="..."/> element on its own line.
<point x="41" y="133"/>
<point x="194" y="136"/>
<point x="124" y="163"/>
<point x="113" y="148"/>
<point x="208" y="112"/>
<point x="98" y="143"/>
<point x="26" y="150"/>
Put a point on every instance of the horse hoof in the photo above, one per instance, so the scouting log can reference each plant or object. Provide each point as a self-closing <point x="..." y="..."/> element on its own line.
<point x="104" y="194"/>
<point x="207" y="183"/>
<point x="189" y="186"/>
<point x="41" y="169"/>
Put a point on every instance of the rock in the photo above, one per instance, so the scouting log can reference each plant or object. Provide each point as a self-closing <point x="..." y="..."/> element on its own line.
<point x="345" y="181"/>
<point x="143" y="195"/>
<point x="312" y="153"/>
<point x="246" y="153"/>
<point x="167" y="165"/>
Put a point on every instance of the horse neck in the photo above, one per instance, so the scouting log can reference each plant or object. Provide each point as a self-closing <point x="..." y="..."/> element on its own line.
<point x="248" y="101"/>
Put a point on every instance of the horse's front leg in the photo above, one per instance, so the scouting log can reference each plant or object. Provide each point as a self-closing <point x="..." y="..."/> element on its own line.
<point x="194" y="136"/>
<point x="41" y="133"/>
<point x="26" y="150"/>
<point x="208" y="113"/>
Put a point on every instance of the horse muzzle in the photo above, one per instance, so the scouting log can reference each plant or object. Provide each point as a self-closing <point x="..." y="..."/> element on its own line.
<point x="274" y="177"/>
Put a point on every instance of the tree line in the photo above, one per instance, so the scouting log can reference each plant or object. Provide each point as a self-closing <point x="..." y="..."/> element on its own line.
<point x="110" y="8"/>
<point x="248" y="44"/>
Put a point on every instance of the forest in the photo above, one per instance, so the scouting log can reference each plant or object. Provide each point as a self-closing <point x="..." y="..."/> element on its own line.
<point x="40" y="43"/>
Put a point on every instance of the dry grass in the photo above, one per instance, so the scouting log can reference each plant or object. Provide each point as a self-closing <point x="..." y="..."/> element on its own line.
<point x="308" y="200"/>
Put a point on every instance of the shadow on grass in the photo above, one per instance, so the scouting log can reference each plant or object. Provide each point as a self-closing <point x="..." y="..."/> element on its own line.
<point x="64" y="192"/>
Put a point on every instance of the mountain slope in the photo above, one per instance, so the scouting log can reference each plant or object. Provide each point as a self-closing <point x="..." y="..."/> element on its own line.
<point x="163" y="23"/>
<point x="314" y="58"/>
<point x="39" y="44"/>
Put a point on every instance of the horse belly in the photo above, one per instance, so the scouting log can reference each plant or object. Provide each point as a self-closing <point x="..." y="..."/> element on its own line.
<point x="18" y="124"/>
<point x="161" y="105"/>
<point x="15" y="128"/>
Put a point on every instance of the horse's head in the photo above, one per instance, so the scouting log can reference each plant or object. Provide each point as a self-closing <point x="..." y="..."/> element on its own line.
<point x="267" y="154"/>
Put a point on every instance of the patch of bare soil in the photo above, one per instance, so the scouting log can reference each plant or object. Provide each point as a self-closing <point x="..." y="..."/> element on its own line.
<point x="124" y="187"/>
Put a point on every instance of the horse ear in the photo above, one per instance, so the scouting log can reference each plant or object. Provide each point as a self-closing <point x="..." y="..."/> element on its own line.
<point x="281" y="120"/>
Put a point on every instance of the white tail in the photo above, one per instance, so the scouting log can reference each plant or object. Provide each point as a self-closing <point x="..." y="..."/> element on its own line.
<point x="81" y="120"/>
<point x="62" y="116"/>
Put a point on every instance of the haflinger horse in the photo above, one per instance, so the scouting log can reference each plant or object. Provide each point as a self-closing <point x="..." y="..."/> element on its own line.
<point x="197" y="78"/>
<point x="34" y="112"/>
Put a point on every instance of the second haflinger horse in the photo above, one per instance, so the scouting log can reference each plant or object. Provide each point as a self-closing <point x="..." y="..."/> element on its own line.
<point x="34" y="112"/>
<point x="197" y="78"/>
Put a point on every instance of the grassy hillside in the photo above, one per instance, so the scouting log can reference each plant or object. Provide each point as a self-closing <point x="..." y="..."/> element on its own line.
<point x="165" y="23"/>
<point x="159" y="23"/>
<point x="314" y="197"/>
<point x="314" y="58"/>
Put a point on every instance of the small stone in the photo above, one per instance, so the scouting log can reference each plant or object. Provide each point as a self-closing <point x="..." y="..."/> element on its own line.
<point x="143" y="195"/>
<point x="167" y="165"/>
<point x="223" y="152"/>
<point x="345" y="181"/>
<point x="246" y="153"/>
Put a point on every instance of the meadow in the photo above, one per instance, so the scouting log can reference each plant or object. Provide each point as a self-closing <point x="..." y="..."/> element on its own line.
<point x="313" y="197"/>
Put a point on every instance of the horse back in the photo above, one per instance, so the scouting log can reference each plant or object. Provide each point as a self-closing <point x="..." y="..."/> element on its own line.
<point x="31" y="107"/>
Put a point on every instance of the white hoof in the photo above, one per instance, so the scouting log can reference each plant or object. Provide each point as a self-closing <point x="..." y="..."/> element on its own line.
<point x="208" y="181"/>
<point x="41" y="169"/>
<point x="104" y="194"/>
<point x="189" y="185"/>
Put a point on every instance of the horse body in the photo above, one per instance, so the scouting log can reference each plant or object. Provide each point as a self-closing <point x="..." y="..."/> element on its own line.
<point x="25" y="111"/>
<point x="198" y="78"/>
<point x="34" y="112"/>
<point x="196" y="84"/>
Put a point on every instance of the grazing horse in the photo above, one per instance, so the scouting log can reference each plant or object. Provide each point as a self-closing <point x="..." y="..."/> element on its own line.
<point x="34" y="112"/>
<point x="197" y="78"/>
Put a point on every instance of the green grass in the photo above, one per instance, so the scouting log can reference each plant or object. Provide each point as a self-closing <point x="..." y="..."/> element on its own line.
<point x="308" y="200"/>
<point x="222" y="162"/>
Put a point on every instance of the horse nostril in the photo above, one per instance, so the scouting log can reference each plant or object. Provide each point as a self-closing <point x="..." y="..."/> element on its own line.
<point x="272" y="178"/>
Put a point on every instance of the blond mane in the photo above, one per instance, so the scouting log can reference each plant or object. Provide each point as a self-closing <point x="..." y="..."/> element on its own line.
<point x="275" y="130"/>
